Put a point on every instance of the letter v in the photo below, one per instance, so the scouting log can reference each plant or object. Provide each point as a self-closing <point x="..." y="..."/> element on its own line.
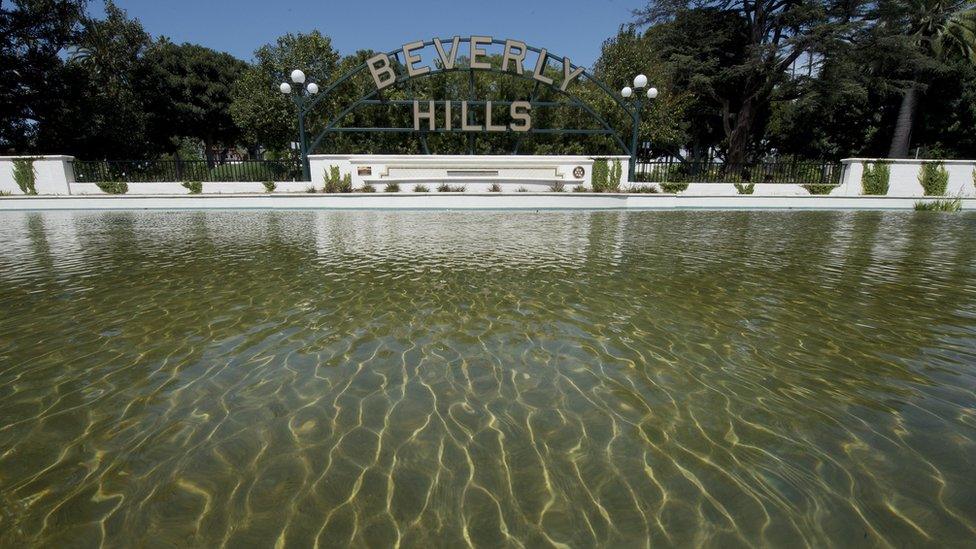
<point x="448" y="63"/>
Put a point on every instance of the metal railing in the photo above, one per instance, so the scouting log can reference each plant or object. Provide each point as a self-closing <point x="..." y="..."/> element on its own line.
<point x="160" y="171"/>
<point x="797" y="173"/>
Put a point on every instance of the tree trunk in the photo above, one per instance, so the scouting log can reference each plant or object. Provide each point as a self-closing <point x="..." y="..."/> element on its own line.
<point x="902" y="138"/>
<point x="740" y="136"/>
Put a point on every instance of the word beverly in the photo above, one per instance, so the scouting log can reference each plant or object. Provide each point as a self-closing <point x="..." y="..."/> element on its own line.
<point x="381" y="66"/>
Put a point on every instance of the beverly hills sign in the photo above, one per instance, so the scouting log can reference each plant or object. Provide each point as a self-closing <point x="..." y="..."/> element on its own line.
<point x="383" y="68"/>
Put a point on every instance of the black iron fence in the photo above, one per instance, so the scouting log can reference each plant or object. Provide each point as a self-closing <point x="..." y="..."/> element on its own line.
<point x="799" y="173"/>
<point x="159" y="171"/>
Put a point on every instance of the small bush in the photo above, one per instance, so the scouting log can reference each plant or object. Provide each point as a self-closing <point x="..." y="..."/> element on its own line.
<point x="445" y="188"/>
<point x="643" y="189"/>
<point x="674" y="188"/>
<point x="496" y="188"/>
<point x="745" y="188"/>
<point x="392" y="188"/>
<point x="613" y="178"/>
<point x="6" y="193"/>
<point x="874" y="181"/>
<point x="934" y="178"/>
<point x="195" y="187"/>
<point x="25" y="175"/>
<point x="367" y="188"/>
<point x="580" y="189"/>
<point x="269" y="186"/>
<point x="557" y="186"/>
<point x="600" y="176"/>
<point x="521" y="190"/>
<point x="421" y="189"/>
<point x="941" y="205"/>
<point x="819" y="189"/>
<point x="113" y="187"/>
<point x="310" y="189"/>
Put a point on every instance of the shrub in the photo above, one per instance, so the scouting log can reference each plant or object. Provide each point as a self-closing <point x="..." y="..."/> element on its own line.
<point x="420" y="189"/>
<point x="496" y="188"/>
<point x="195" y="187"/>
<point x="251" y="171"/>
<point x="521" y="190"/>
<point x="367" y="188"/>
<point x="580" y="189"/>
<point x="333" y="180"/>
<point x="269" y="186"/>
<point x="941" y="205"/>
<point x="392" y="188"/>
<point x="674" y="188"/>
<point x="113" y="187"/>
<point x="5" y="193"/>
<point x="310" y="189"/>
<point x="445" y="188"/>
<point x="934" y="178"/>
<point x="557" y="186"/>
<point x="745" y="188"/>
<point x="874" y="181"/>
<point x="25" y="175"/>
<point x="613" y="178"/>
<point x="643" y="189"/>
<point x="819" y="189"/>
<point x="600" y="175"/>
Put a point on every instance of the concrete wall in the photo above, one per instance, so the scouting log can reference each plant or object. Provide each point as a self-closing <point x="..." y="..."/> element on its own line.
<point x="903" y="180"/>
<point x="53" y="174"/>
<point x="208" y="188"/>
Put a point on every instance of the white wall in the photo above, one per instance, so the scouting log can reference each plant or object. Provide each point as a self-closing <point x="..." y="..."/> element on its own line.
<point x="208" y="188"/>
<point x="52" y="174"/>
<point x="903" y="180"/>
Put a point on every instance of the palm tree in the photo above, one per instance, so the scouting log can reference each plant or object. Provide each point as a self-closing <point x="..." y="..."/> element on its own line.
<point x="940" y="30"/>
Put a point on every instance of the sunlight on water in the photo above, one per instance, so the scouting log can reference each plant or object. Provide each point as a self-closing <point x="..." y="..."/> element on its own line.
<point x="494" y="379"/>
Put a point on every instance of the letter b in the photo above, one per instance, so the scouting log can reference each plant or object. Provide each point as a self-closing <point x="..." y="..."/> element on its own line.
<point x="379" y="67"/>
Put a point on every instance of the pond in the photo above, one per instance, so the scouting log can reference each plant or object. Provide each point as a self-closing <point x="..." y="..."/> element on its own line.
<point x="487" y="378"/>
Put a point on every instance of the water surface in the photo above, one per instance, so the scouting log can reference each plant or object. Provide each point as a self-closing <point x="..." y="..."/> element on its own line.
<point x="427" y="379"/>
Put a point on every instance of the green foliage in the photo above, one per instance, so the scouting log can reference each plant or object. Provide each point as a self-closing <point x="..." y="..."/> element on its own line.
<point x="367" y="188"/>
<point x="673" y="188"/>
<point x="113" y="187"/>
<point x="614" y="176"/>
<point x="745" y="188"/>
<point x="819" y="189"/>
<point x="580" y="189"/>
<point x="940" y="205"/>
<point x="195" y="187"/>
<point x="25" y="175"/>
<point x="269" y="186"/>
<point x="557" y="186"/>
<point x="310" y="189"/>
<point x="6" y="193"/>
<point x="600" y="175"/>
<point x="496" y="188"/>
<point x="392" y="188"/>
<point x="521" y="190"/>
<point x="934" y="178"/>
<point x="239" y="172"/>
<point x="445" y="188"/>
<point x="874" y="180"/>
<point x="643" y="189"/>
<point x="337" y="183"/>
<point x="421" y="189"/>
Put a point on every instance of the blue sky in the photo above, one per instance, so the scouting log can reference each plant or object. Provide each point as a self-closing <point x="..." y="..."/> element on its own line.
<point x="574" y="28"/>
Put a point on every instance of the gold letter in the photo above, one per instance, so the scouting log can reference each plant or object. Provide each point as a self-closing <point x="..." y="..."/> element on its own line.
<point x="488" y="125"/>
<point x="411" y="60"/>
<point x="379" y="67"/>
<point x="520" y="111"/>
<point x="518" y="58"/>
<point x="417" y="115"/>
<point x="569" y="76"/>
<point x="464" y="120"/>
<point x="474" y="42"/>
<point x="447" y="63"/>
<point x="540" y="67"/>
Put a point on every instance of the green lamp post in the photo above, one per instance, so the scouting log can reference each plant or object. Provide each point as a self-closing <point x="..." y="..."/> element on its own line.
<point x="299" y="95"/>
<point x="637" y="104"/>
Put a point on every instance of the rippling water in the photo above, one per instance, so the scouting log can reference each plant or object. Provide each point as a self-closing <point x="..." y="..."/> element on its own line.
<point x="493" y="379"/>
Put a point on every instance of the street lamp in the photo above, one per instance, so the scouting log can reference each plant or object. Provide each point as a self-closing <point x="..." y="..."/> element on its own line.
<point x="636" y="104"/>
<point x="299" y="97"/>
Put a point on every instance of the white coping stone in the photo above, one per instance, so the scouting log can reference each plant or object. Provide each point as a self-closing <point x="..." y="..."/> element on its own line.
<point x="459" y="201"/>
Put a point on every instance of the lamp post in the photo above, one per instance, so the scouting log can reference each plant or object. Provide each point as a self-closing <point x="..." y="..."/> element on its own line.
<point x="637" y="103"/>
<point x="299" y="97"/>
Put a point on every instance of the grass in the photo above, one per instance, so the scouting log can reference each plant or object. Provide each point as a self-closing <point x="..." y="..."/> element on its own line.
<point x="25" y="175"/>
<point x="674" y="188"/>
<point x="940" y="205"/>
<point x="391" y="188"/>
<point x="421" y="189"/>
<point x="195" y="187"/>
<point x="557" y="186"/>
<point x="521" y="190"/>
<point x="874" y="181"/>
<point x="819" y="189"/>
<point x="934" y="178"/>
<point x="445" y="188"/>
<point x="580" y="189"/>
<point x="367" y="188"/>
<point x="496" y="188"/>
<point x="114" y="187"/>
<point x="745" y="188"/>
<point x="269" y="186"/>
<point x="643" y="189"/>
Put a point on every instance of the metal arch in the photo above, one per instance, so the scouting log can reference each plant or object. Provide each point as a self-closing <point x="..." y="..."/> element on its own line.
<point x="397" y="53"/>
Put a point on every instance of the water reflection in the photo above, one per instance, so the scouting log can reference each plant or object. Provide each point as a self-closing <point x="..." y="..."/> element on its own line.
<point x="577" y="378"/>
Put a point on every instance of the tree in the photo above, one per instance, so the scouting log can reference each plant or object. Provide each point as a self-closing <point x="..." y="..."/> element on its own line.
<point x="264" y="115"/>
<point x="187" y="93"/>
<point x="937" y="31"/>
<point x="32" y="33"/>
<point x="776" y="33"/>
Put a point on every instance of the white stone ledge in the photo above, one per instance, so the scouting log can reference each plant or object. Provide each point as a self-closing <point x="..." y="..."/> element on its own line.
<point x="462" y="201"/>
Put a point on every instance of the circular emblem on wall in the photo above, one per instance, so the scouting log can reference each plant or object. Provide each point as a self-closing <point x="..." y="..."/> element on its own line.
<point x="579" y="172"/>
